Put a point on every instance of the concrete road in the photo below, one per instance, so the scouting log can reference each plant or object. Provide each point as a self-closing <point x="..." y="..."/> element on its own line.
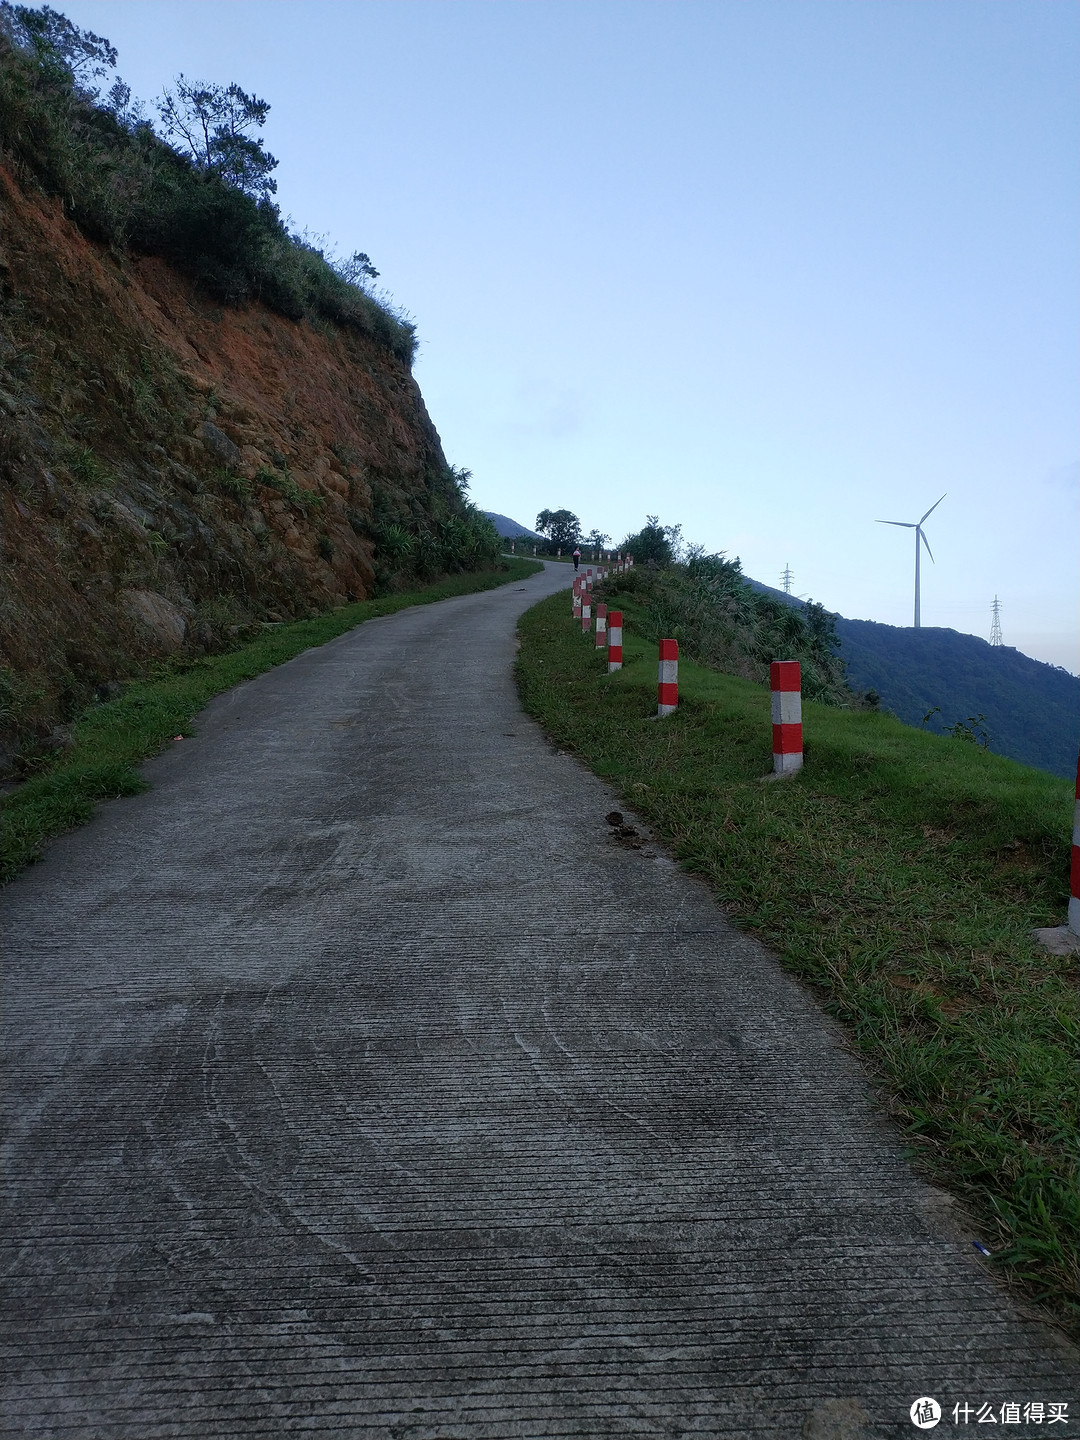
<point x="360" y="1085"/>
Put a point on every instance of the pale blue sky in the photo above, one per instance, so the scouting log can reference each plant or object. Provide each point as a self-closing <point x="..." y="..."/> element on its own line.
<point x="768" y="268"/>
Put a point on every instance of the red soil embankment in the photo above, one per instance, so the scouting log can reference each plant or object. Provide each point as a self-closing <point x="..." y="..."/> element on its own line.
<point x="173" y="471"/>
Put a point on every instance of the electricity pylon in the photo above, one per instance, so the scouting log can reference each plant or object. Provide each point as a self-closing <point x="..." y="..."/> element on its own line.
<point x="787" y="578"/>
<point x="995" y="629"/>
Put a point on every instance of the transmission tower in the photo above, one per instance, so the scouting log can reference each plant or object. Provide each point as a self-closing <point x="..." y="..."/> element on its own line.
<point x="995" y="629"/>
<point x="787" y="578"/>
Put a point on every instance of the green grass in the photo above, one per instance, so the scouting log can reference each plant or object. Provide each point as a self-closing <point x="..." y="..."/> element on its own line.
<point x="110" y="740"/>
<point x="900" y="875"/>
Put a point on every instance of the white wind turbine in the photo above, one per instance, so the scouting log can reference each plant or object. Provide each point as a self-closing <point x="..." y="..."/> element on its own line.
<point x="917" y="525"/>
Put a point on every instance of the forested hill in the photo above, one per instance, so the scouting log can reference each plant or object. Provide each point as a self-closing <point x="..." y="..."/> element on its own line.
<point x="1031" y="710"/>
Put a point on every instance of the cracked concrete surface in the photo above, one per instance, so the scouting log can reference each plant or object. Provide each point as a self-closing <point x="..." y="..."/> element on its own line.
<point x="359" y="1085"/>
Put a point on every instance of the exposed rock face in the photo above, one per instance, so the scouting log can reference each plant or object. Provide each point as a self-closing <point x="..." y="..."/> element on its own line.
<point x="219" y="444"/>
<point x="165" y="622"/>
<point x="173" y="471"/>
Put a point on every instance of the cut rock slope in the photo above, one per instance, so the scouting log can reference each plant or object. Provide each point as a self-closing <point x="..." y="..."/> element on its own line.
<point x="174" y="471"/>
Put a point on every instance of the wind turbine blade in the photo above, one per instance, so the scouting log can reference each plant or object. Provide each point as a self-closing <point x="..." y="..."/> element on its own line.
<point x="907" y="524"/>
<point x="933" y="507"/>
<point x="927" y="542"/>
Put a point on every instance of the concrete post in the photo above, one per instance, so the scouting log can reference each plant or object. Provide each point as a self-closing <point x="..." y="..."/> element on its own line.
<point x="786" y="680"/>
<point x="667" y="680"/>
<point x="601" y="626"/>
<point x="614" y="647"/>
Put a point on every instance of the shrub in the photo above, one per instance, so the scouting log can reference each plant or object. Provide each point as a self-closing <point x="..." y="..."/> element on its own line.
<point x="125" y="186"/>
<point x="721" y="621"/>
<point x="654" y="543"/>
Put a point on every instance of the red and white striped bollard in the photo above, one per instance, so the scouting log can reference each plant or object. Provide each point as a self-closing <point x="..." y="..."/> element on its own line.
<point x="586" y="613"/>
<point x="785" y="678"/>
<point x="614" y="641"/>
<point x="601" y="626"/>
<point x="667" y="680"/>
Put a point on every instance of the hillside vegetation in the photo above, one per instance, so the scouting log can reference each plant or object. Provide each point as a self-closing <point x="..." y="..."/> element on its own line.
<point x="899" y="874"/>
<point x="203" y="202"/>
<point x="942" y="679"/>
<point x="721" y="620"/>
<point x="1030" y="710"/>
<point x="204" y="427"/>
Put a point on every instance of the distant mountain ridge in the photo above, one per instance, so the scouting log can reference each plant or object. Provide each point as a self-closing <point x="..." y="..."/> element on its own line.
<point x="1031" y="710"/>
<point x="510" y="529"/>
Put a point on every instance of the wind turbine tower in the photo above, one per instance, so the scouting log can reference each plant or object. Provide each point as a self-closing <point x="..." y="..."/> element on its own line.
<point x="787" y="578"/>
<point x="995" y="629"/>
<point x="917" y="525"/>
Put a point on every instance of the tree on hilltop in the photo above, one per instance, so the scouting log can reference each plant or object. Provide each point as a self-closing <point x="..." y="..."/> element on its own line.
<point x="57" y="44"/>
<point x="213" y="125"/>
<point x="655" y="542"/>
<point x="357" y="270"/>
<point x="194" y="187"/>
<point x="562" y="527"/>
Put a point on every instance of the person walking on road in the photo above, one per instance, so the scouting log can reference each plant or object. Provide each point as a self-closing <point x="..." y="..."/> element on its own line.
<point x="577" y="559"/>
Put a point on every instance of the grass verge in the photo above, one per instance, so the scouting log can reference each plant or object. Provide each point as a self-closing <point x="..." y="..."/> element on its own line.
<point x="108" y="741"/>
<point x="899" y="874"/>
